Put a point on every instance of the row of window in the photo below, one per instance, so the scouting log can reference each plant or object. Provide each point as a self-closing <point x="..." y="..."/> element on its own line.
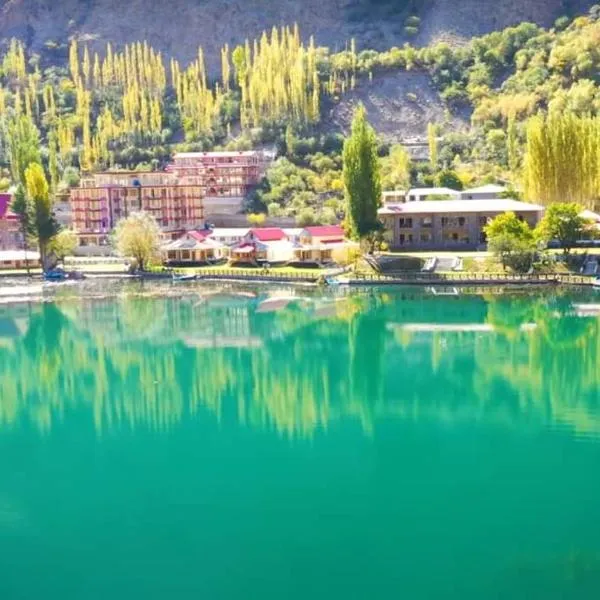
<point x="407" y="222"/>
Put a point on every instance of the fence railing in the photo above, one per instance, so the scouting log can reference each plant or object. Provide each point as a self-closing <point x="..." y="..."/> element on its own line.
<point x="473" y="277"/>
<point x="258" y="274"/>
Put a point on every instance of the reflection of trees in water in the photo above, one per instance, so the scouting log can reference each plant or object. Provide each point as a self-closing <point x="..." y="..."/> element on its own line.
<point x="311" y="367"/>
<point x="551" y="371"/>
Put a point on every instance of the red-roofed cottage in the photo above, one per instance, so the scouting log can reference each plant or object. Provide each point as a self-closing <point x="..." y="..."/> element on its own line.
<point x="193" y="247"/>
<point x="10" y="234"/>
<point x="322" y="244"/>
<point x="263" y="245"/>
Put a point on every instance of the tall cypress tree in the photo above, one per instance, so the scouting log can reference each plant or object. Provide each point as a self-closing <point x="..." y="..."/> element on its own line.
<point x="362" y="183"/>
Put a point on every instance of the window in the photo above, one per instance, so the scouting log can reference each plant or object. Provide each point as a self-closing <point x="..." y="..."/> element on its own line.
<point x="483" y="221"/>
<point x="405" y="222"/>
<point x="445" y="221"/>
<point x="427" y="222"/>
<point x="461" y="221"/>
<point x="425" y="238"/>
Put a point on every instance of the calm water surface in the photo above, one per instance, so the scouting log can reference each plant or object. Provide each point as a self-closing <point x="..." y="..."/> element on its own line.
<point x="236" y="443"/>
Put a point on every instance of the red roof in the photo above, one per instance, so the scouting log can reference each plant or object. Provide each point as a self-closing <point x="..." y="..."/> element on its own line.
<point x="199" y="235"/>
<point x="5" y="212"/>
<point x="325" y="230"/>
<point x="268" y="234"/>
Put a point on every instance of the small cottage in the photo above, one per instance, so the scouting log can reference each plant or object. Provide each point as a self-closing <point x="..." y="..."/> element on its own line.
<point x="319" y="244"/>
<point x="194" y="247"/>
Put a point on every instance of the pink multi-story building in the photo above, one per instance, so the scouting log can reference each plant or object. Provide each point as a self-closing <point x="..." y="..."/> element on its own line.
<point x="226" y="177"/>
<point x="195" y="184"/>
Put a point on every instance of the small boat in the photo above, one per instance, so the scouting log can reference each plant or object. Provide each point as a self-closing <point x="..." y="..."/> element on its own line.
<point x="55" y="275"/>
<point x="184" y="277"/>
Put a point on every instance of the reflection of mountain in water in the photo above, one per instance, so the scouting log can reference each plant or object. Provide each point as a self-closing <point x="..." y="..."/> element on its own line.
<point x="298" y="365"/>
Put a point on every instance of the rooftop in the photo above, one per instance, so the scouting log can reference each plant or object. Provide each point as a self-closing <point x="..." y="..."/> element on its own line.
<point x="216" y="154"/>
<point x="268" y="234"/>
<point x="490" y="188"/>
<point x="229" y="231"/>
<point x="591" y="215"/>
<point x="498" y="205"/>
<point x="433" y="191"/>
<point x="325" y="230"/>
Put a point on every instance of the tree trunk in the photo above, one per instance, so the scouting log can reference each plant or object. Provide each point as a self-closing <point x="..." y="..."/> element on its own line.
<point x="24" y="232"/>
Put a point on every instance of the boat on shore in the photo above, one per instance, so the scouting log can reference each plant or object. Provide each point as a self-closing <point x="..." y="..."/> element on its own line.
<point x="62" y="275"/>
<point x="177" y="278"/>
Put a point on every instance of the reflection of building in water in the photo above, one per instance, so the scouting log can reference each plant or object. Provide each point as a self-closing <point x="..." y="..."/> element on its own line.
<point x="296" y="370"/>
<point x="221" y="321"/>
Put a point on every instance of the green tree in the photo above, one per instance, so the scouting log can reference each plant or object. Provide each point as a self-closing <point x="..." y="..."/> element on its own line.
<point x="44" y="225"/>
<point x="449" y="179"/>
<point x="432" y="142"/>
<point x="512" y="241"/>
<point x="512" y="146"/>
<point x="395" y="169"/>
<point x="23" y="145"/>
<point x="306" y="217"/>
<point x="562" y="158"/>
<point x="138" y="236"/>
<point x="562" y="222"/>
<point x="362" y="184"/>
<point x="63" y="243"/>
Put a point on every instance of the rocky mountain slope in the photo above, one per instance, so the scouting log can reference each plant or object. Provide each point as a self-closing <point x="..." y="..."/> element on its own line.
<point x="177" y="27"/>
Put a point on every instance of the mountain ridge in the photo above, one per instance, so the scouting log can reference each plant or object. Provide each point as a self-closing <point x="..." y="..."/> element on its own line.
<point x="179" y="27"/>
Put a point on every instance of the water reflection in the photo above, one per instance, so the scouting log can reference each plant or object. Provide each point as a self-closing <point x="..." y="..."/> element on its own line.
<point x="300" y="364"/>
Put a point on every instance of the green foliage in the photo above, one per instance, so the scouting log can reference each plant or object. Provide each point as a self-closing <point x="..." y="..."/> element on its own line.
<point x="512" y="242"/>
<point x="256" y="219"/>
<point x="563" y="222"/>
<point x="449" y="179"/>
<point x="43" y="223"/>
<point x="562" y="159"/>
<point x="63" y="243"/>
<point x="396" y="169"/>
<point x="306" y="217"/>
<point x="23" y="143"/>
<point x="138" y="236"/>
<point x="433" y="144"/>
<point x="362" y="183"/>
<point x="308" y="182"/>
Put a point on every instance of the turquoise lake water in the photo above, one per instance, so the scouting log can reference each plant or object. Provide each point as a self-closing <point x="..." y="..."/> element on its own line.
<point x="233" y="443"/>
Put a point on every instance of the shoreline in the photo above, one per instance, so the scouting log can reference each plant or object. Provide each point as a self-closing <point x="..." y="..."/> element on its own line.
<point x="370" y="280"/>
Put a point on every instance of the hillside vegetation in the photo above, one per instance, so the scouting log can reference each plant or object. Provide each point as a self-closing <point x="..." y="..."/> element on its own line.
<point x="132" y="106"/>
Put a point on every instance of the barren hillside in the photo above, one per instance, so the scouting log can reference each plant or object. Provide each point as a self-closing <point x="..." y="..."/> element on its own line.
<point x="179" y="26"/>
<point x="400" y="106"/>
